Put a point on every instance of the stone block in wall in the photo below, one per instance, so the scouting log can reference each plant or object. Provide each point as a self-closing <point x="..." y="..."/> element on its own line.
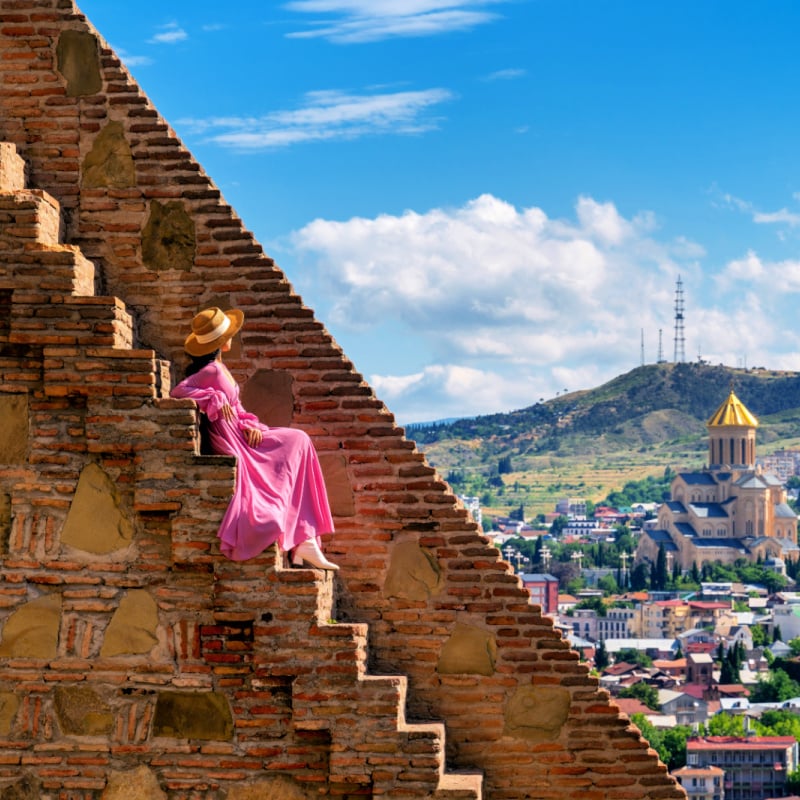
<point x="469" y="651"/>
<point x="9" y="705"/>
<point x="14" y="429"/>
<point x="12" y="169"/>
<point x="414" y="573"/>
<point x="537" y="713"/>
<point x="268" y="394"/>
<point x="277" y="787"/>
<point x="32" y="630"/>
<point x="132" y="630"/>
<point x="337" y="484"/>
<point x="79" y="62"/>
<point x="96" y="522"/>
<point x="133" y="784"/>
<point x="27" y="788"/>
<point x="82" y="712"/>
<point x="193" y="715"/>
<point x="169" y="239"/>
<point x="110" y="161"/>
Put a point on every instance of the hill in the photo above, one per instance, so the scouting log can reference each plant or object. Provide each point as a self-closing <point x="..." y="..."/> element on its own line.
<point x="591" y="442"/>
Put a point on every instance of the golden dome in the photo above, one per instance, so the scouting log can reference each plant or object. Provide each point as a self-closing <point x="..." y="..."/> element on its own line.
<point x="732" y="413"/>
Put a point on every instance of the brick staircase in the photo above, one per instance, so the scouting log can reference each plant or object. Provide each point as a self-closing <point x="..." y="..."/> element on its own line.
<point x="79" y="701"/>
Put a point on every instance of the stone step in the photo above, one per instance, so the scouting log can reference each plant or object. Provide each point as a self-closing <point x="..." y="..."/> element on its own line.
<point x="460" y="785"/>
<point x="39" y="318"/>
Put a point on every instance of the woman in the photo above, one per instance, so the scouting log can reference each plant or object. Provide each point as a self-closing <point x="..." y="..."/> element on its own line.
<point x="280" y="493"/>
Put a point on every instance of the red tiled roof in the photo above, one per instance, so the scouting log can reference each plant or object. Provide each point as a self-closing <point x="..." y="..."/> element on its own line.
<point x="740" y="742"/>
<point x="630" y="705"/>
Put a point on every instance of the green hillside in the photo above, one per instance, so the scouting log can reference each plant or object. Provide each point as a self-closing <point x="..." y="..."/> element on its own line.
<point x="590" y="443"/>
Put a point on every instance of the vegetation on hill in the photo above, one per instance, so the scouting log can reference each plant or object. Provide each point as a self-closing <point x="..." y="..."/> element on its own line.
<point x="591" y="443"/>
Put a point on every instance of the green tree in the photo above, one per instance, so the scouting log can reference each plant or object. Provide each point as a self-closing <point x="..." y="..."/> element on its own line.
<point x="724" y="724"/>
<point x="793" y="782"/>
<point x="643" y="692"/>
<point x="669" y="744"/>
<point x="601" y="659"/>
<point x="631" y="656"/>
<point x="776" y="688"/>
<point x="608" y="584"/>
<point x="639" y="577"/>
<point x="778" y="722"/>
<point x="558" y="525"/>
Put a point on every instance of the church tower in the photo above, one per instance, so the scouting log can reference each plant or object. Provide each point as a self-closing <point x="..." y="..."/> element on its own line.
<point x="732" y="436"/>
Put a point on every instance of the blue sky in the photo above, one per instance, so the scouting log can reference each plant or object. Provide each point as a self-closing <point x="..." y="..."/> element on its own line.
<point x="489" y="202"/>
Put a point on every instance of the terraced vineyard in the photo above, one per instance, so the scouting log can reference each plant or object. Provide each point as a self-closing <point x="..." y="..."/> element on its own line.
<point x="591" y="443"/>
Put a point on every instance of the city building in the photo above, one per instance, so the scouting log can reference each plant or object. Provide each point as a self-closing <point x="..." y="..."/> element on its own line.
<point x="618" y="623"/>
<point x="755" y="766"/>
<point x="730" y="509"/>
<point x="786" y="615"/>
<point x="572" y="507"/>
<point x="702" y="783"/>
<point x="543" y="589"/>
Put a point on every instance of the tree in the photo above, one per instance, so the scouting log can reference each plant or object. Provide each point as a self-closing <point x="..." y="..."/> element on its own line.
<point x="601" y="656"/>
<point x="631" y="656"/>
<point x="643" y="692"/>
<point x="776" y="688"/>
<point x="558" y="525"/>
<point x="608" y="584"/>
<point x="724" y="724"/>
<point x="670" y="744"/>
<point x="639" y="577"/>
<point x="504" y="465"/>
<point x="659" y="581"/>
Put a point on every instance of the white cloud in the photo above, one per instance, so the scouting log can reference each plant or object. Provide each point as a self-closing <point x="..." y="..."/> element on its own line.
<point x="783" y="217"/>
<point x="782" y="276"/>
<point x="170" y="34"/>
<point x="522" y="304"/>
<point x="328" y="115"/>
<point x="510" y="305"/>
<point x="505" y="74"/>
<point x="133" y="61"/>
<point x="423" y="395"/>
<point x="359" y="21"/>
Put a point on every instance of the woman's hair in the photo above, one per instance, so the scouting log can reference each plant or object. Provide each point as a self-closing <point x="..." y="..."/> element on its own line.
<point x="198" y="362"/>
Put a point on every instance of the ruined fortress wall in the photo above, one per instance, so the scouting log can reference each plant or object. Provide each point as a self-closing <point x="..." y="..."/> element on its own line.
<point x="152" y="657"/>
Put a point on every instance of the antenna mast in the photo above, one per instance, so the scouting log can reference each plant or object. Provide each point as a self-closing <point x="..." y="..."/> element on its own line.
<point x="642" y="354"/>
<point x="680" y="342"/>
<point x="660" y="359"/>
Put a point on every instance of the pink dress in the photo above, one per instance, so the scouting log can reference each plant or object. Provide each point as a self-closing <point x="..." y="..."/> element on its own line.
<point x="280" y="493"/>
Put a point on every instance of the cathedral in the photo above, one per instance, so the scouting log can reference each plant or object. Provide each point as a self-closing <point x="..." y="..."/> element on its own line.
<point x="730" y="509"/>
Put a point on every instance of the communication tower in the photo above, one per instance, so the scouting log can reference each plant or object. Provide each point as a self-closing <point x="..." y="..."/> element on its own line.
<point x="680" y="342"/>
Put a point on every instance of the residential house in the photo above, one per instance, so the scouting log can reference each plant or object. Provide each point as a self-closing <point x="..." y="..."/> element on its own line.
<point x="755" y="766"/>
<point x="699" y="669"/>
<point x="686" y="709"/>
<point x="702" y="783"/>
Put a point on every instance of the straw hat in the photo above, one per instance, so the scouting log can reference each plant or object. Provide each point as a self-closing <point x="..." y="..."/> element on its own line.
<point x="211" y="329"/>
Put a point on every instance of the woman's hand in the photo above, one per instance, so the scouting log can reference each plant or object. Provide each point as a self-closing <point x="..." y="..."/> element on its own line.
<point x="227" y="412"/>
<point x="253" y="436"/>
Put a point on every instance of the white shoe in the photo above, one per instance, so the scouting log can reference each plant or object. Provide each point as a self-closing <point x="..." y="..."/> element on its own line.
<point x="309" y="552"/>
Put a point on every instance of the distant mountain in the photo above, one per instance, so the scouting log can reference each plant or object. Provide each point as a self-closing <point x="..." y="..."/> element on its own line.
<point x="649" y="418"/>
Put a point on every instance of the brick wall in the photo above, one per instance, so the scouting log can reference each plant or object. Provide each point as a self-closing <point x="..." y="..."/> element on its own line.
<point x="133" y="653"/>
